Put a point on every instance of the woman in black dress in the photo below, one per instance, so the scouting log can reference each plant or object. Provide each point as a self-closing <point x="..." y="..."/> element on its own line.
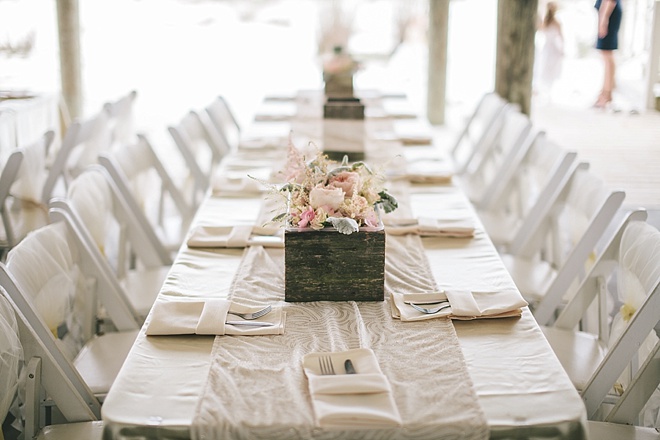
<point x="609" y="21"/>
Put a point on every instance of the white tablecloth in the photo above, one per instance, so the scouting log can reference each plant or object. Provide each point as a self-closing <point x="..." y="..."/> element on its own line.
<point x="23" y="121"/>
<point x="520" y="385"/>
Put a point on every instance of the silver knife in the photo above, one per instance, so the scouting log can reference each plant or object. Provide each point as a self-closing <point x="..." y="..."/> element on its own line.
<point x="251" y="323"/>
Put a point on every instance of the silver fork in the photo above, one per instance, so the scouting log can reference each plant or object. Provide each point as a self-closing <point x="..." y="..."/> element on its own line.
<point x="253" y="315"/>
<point x="325" y="363"/>
<point x="431" y="310"/>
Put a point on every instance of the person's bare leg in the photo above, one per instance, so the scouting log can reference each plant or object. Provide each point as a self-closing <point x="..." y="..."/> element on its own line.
<point x="608" y="79"/>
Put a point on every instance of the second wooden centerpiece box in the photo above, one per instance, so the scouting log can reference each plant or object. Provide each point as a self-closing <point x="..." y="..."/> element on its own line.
<point x="343" y="129"/>
<point x="328" y="266"/>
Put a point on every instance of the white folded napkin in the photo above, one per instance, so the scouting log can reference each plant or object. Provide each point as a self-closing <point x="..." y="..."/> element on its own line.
<point x="240" y="182"/>
<point x="404" y="138"/>
<point x="235" y="236"/>
<point x="273" y="116"/>
<point x="389" y="113"/>
<point x="439" y="178"/>
<point x="361" y="400"/>
<point x="430" y="227"/>
<point x="208" y="317"/>
<point x="464" y="304"/>
<point x="415" y="139"/>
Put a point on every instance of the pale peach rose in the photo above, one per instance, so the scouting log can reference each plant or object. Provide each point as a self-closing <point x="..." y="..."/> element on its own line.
<point x="347" y="180"/>
<point x="332" y="197"/>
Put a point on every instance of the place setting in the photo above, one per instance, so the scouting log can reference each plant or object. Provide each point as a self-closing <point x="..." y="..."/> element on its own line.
<point x="349" y="389"/>
<point x="457" y="304"/>
<point x="213" y="317"/>
<point x="237" y="236"/>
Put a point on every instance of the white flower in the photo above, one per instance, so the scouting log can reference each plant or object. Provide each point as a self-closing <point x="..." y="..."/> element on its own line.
<point x="327" y="197"/>
<point x="345" y="225"/>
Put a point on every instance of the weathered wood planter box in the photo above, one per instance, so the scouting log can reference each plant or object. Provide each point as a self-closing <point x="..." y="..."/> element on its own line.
<point x="329" y="266"/>
<point x="338" y="84"/>
<point x="343" y="108"/>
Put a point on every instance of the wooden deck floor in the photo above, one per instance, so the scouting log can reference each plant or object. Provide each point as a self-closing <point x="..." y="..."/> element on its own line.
<point x="622" y="148"/>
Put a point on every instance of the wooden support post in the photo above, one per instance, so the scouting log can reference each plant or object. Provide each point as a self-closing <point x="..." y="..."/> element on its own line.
<point x="516" y="28"/>
<point x="68" y="22"/>
<point x="437" y="64"/>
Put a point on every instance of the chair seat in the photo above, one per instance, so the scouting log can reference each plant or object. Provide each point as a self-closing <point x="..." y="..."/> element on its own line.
<point x="615" y="431"/>
<point x="580" y="353"/>
<point x="143" y="286"/>
<point x="532" y="278"/>
<point x="101" y="358"/>
<point x="72" y="431"/>
<point x="501" y="228"/>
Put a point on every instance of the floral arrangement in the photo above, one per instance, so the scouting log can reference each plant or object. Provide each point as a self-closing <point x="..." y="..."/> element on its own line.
<point x="339" y="63"/>
<point x="323" y="193"/>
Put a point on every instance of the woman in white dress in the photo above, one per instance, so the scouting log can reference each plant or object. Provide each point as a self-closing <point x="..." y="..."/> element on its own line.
<point x="550" y="48"/>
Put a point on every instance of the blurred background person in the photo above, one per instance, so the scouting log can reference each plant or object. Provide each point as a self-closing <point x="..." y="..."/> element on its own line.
<point x="609" y="21"/>
<point x="550" y="51"/>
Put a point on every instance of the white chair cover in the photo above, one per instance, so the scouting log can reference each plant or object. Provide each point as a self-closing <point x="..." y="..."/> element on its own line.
<point x="91" y="197"/>
<point x="32" y="173"/>
<point x="135" y="161"/>
<point x="587" y="194"/>
<point x="123" y="119"/>
<point x="639" y="273"/>
<point x="11" y="356"/>
<point x="99" y="141"/>
<point x="46" y="270"/>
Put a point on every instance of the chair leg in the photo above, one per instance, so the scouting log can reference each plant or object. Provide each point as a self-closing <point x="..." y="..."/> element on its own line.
<point x="33" y="398"/>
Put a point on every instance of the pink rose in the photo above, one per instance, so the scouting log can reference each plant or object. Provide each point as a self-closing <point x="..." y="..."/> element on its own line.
<point x="371" y="220"/>
<point x="306" y="217"/>
<point x="347" y="180"/>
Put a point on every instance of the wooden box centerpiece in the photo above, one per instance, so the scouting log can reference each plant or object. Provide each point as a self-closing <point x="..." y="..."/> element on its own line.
<point x="338" y="70"/>
<point x="343" y="128"/>
<point x="334" y="241"/>
<point x="325" y="265"/>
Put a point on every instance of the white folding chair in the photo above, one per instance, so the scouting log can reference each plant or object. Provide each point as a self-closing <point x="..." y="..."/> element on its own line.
<point x="525" y="189"/>
<point x="546" y="264"/>
<point x="149" y="191"/>
<point x="225" y="122"/>
<point x="483" y="175"/>
<point x="42" y="372"/>
<point x="477" y="130"/>
<point x="11" y="358"/>
<point x="106" y="223"/>
<point x="21" y="186"/>
<point x="83" y="142"/>
<point x="198" y="151"/>
<point x="56" y="286"/>
<point x="121" y="117"/>
<point x="605" y="363"/>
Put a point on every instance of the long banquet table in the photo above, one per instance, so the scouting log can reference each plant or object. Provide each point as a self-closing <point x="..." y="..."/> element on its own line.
<point x="170" y="385"/>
